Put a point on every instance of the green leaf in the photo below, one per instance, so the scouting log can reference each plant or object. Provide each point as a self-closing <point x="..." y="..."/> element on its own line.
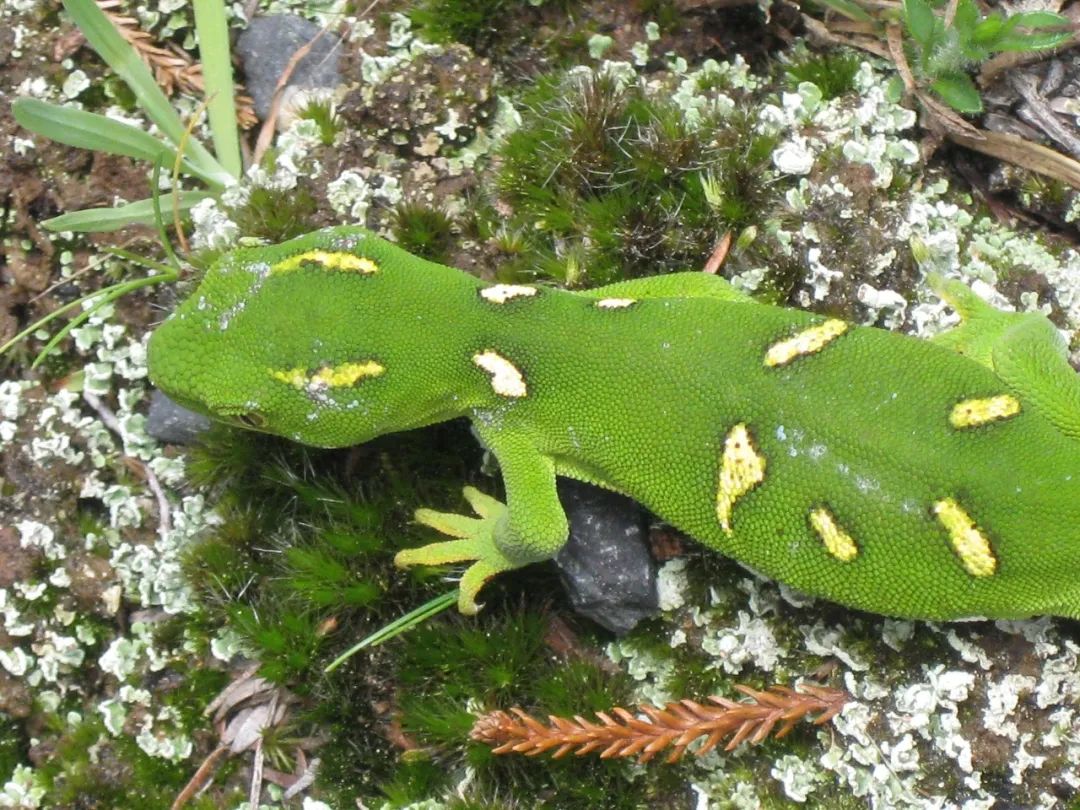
<point x="959" y="92"/>
<point x="109" y="219"/>
<point x="88" y="130"/>
<point x="1039" y="19"/>
<point x="212" y="30"/>
<point x="400" y="625"/>
<point x="1031" y="42"/>
<point x="894" y="90"/>
<point x="966" y="18"/>
<point x="987" y="31"/>
<point x="848" y="8"/>
<point x="920" y="21"/>
<point x="122" y="58"/>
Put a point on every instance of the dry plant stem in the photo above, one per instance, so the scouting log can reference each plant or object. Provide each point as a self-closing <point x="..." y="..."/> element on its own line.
<point x="1002" y="62"/>
<point x="266" y="133"/>
<point x="173" y="69"/>
<point x="108" y="418"/>
<point x="950" y="13"/>
<point x="940" y="118"/>
<point x="820" y="34"/>
<point x="1020" y="152"/>
<point x="896" y="52"/>
<point x="202" y="778"/>
<point x="716" y="260"/>
<point x="674" y="727"/>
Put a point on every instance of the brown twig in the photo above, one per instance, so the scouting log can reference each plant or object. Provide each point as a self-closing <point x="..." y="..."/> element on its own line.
<point x="173" y="68"/>
<point x="266" y="133"/>
<point x="676" y="726"/>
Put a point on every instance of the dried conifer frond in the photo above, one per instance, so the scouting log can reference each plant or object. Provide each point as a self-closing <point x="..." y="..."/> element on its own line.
<point x="676" y="726"/>
<point x="173" y="68"/>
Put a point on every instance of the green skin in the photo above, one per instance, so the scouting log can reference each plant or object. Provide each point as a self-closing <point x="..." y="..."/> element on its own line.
<point x="640" y="398"/>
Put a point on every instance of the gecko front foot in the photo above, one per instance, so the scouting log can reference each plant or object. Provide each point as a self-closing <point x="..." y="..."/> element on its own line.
<point x="476" y="543"/>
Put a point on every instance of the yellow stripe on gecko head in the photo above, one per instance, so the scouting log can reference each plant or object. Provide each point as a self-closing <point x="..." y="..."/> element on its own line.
<point x="968" y="540"/>
<point x="330" y="260"/>
<point x="742" y="468"/>
<point x="339" y="376"/>
<point x="974" y="412"/>
<point x="808" y="341"/>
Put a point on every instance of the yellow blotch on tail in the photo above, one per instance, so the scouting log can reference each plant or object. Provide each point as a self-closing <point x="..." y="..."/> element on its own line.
<point x="329" y="260"/>
<point x="837" y="542"/>
<point x="974" y="412"/>
<point x="742" y="468"/>
<point x="506" y="380"/>
<point x="968" y="540"/>
<point x="501" y="293"/>
<point x="808" y="341"/>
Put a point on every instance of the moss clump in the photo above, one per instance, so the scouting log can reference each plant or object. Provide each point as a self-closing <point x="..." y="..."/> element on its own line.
<point x="483" y="25"/>
<point x="423" y="231"/>
<point x="324" y="114"/>
<point x="833" y="72"/>
<point x="277" y="214"/>
<point x="608" y="180"/>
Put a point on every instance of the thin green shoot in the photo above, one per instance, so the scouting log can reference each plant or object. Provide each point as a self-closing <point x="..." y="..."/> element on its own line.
<point x="397" y="627"/>
<point x="107" y="296"/>
<point x="212" y="31"/>
<point x="140" y="212"/>
<point x="119" y="54"/>
<point x="159" y="220"/>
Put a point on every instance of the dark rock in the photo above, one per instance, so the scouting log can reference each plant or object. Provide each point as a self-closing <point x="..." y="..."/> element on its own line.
<point x="605" y="565"/>
<point x="266" y="47"/>
<point x="174" y="424"/>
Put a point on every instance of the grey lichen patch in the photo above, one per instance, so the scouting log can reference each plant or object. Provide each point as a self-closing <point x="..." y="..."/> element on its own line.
<point x="965" y="713"/>
<point x="427" y="106"/>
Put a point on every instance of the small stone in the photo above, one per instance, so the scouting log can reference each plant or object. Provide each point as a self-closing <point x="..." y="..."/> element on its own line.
<point x="174" y="424"/>
<point x="605" y="564"/>
<point x="266" y="47"/>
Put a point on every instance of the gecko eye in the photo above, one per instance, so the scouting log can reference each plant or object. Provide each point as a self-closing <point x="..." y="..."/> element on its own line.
<point x="251" y="420"/>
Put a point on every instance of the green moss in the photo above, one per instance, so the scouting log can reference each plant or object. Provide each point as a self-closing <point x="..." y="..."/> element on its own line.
<point x="483" y="25"/>
<point x="93" y="770"/>
<point x="833" y="72"/>
<point x="13" y="745"/>
<point x="609" y="181"/>
<point x="423" y="231"/>
<point x="324" y="115"/>
<point x="276" y="214"/>
<point x="665" y="13"/>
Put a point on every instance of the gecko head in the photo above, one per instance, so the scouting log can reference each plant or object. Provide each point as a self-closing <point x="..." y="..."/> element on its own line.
<point x="295" y="339"/>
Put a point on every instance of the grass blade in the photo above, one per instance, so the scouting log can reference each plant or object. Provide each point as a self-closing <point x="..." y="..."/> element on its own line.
<point x="397" y="627"/>
<point x="123" y="59"/>
<point x="88" y="130"/>
<point x="140" y="212"/>
<point x="212" y="29"/>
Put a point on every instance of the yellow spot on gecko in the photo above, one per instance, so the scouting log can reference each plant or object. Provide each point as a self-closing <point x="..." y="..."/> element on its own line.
<point x="968" y="541"/>
<point x="742" y="468"/>
<point x="339" y="376"/>
<point x="505" y="377"/>
<point x="837" y="542"/>
<point x="330" y="260"/>
<point x="296" y="377"/>
<point x="501" y="293"/>
<point x="615" y="303"/>
<point x="805" y="342"/>
<point x="974" y="412"/>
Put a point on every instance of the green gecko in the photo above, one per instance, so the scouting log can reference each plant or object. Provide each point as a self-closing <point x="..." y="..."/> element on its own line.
<point x="923" y="479"/>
